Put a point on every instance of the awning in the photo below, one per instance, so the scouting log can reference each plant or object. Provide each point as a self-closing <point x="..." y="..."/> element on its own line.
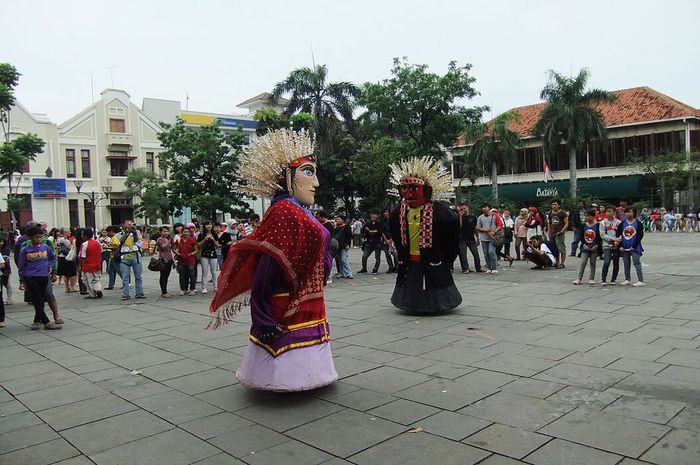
<point x="605" y="188"/>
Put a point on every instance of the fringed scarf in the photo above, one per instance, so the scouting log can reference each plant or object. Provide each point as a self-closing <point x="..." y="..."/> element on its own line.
<point x="294" y="239"/>
<point x="426" y="225"/>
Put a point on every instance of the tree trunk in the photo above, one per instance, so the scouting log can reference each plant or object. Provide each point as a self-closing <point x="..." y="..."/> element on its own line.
<point x="573" y="190"/>
<point x="494" y="181"/>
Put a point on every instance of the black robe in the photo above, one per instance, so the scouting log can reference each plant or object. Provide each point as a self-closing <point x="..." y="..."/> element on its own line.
<point x="427" y="287"/>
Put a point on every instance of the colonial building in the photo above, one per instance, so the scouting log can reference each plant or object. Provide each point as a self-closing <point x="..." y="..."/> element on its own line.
<point x="79" y="178"/>
<point x="640" y="122"/>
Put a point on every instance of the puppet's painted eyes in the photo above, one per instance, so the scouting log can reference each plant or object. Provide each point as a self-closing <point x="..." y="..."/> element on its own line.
<point x="308" y="171"/>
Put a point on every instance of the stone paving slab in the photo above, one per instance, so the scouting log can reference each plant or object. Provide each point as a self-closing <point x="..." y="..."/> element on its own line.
<point x="574" y="376"/>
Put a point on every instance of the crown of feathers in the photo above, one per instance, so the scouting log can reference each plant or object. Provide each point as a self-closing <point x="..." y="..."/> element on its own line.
<point x="265" y="160"/>
<point x="430" y="171"/>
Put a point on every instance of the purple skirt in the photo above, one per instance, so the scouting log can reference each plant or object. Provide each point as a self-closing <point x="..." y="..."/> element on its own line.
<point x="300" y="369"/>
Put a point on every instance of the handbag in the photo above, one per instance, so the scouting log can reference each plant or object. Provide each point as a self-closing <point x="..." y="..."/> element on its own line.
<point x="155" y="264"/>
<point x="71" y="254"/>
<point x="498" y="237"/>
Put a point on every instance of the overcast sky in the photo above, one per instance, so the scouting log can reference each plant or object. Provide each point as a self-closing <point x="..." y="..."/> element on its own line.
<point x="223" y="52"/>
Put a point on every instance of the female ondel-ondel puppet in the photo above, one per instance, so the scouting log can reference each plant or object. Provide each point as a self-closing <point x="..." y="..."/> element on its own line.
<point x="280" y="270"/>
<point x="426" y="234"/>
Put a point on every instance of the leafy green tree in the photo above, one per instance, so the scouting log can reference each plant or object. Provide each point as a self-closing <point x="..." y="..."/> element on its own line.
<point x="201" y="163"/>
<point x="269" y="120"/>
<point x="14" y="156"/>
<point x="670" y="171"/>
<point x="419" y="108"/>
<point x="9" y="78"/>
<point x="299" y="121"/>
<point x="570" y="117"/>
<point x="370" y="169"/>
<point x="148" y="187"/>
<point x="495" y="145"/>
<point x="330" y="104"/>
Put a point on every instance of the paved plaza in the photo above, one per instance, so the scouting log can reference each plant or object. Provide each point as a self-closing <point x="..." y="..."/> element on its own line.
<point x="529" y="369"/>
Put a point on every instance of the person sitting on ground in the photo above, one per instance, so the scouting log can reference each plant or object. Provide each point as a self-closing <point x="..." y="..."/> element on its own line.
<point x="540" y="253"/>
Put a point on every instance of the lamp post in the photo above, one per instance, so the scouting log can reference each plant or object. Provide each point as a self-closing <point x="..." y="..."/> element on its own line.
<point x="93" y="198"/>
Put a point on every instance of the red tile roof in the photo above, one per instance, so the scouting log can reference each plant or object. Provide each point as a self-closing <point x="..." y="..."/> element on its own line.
<point x="632" y="106"/>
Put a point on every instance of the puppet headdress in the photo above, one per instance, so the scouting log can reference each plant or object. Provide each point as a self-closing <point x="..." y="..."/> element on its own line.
<point x="265" y="160"/>
<point x="423" y="170"/>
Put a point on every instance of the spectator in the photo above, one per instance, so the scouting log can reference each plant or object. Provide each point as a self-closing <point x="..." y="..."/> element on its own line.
<point x="577" y="218"/>
<point x="521" y="234"/>
<point x="164" y="247"/>
<point x="90" y="263"/>
<point x="130" y="254"/>
<point x="5" y="281"/>
<point x="343" y="234"/>
<point x="207" y="244"/>
<point x="225" y="240"/>
<point x="373" y="243"/>
<point x="610" y="241"/>
<point x="104" y="241"/>
<point x="487" y="225"/>
<point x="356" y="233"/>
<point x="186" y="250"/>
<point x="590" y="247"/>
<point x="36" y="261"/>
<point x="66" y="268"/>
<point x="558" y="224"/>
<point x="468" y="239"/>
<point x="539" y="253"/>
<point x="387" y="242"/>
<point x="631" y="234"/>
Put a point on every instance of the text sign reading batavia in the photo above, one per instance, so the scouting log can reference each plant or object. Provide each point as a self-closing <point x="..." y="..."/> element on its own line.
<point x="49" y="188"/>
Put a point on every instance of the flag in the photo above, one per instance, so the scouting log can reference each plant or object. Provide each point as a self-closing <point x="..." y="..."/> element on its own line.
<point x="547" y="173"/>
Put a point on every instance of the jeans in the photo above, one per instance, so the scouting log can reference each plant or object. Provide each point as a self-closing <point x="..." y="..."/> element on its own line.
<point x="208" y="266"/>
<point x="369" y="248"/>
<point x="36" y="285"/>
<point x="578" y="238"/>
<point x="636" y="259"/>
<point x="126" y="266"/>
<point x="587" y="256"/>
<point x="105" y="258"/>
<point x="389" y="257"/>
<point x="489" y="254"/>
<point x="114" y="271"/>
<point x="188" y="277"/>
<point x="463" y="261"/>
<point x="609" y="255"/>
<point x="342" y="259"/>
<point x="165" y="270"/>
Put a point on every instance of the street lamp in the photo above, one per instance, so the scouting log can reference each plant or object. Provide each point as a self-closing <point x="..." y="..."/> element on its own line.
<point x="93" y="197"/>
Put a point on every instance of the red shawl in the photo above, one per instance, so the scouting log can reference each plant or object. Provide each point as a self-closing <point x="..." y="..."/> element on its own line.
<point x="294" y="240"/>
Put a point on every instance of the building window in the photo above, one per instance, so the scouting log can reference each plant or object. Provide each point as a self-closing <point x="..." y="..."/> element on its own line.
<point x="117" y="125"/>
<point x="89" y="214"/>
<point x="118" y="167"/>
<point x="70" y="163"/>
<point x="118" y="154"/>
<point x="85" y="162"/>
<point x="150" y="162"/>
<point x="163" y="171"/>
<point x="73" y="213"/>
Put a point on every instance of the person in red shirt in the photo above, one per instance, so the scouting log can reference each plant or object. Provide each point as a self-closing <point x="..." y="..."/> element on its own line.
<point x="186" y="250"/>
<point x="90" y="262"/>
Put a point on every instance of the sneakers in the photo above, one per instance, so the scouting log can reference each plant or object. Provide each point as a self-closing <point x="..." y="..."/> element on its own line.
<point x="603" y="283"/>
<point x="36" y="325"/>
<point x="375" y="272"/>
<point x="183" y="293"/>
<point x="639" y="284"/>
<point x="577" y="282"/>
<point x="625" y="283"/>
<point x="204" y="290"/>
<point x="167" y="296"/>
<point x="140" y="296"/>
<point x="2" y="324"/>
<point x="362" y="271"/>
<point x="192" y="292"/>
<point x="126" y="297"/>
<point x="613" y="283"/>
<point x="350" y="277"/>
<point x="494" y="271"/>
<point x="591" y="282"/>
<point x="50" y="326"/>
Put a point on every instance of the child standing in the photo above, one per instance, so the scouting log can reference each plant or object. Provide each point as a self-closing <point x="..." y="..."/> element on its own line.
<point x="590" y="246"/>
<point x="35" y="262"/>
<point x="631" y="233"/>
<point x="608" y="234"/>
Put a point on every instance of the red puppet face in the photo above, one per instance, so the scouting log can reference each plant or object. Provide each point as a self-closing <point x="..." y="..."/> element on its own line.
<point x="414" y="192"/>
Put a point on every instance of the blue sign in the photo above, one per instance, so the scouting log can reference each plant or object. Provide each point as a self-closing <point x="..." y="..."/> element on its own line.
<point x="232" y="122"/>
<point x="49" y="188"/>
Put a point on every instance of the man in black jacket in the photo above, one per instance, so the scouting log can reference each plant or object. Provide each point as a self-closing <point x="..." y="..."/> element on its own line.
<point x="426" y="235"/>
<point x="373" y="243"/>
<point x="468" y="239"/>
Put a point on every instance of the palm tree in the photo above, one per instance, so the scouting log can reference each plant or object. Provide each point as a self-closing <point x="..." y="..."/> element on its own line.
<point x="331" y="104"/>
<point x="495" y="145"/>
<point x="570" y="116"/>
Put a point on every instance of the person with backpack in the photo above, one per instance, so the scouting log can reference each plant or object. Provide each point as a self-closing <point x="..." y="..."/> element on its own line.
<point x="590" y="247"/>
<point x="631" y="233"/>
<point x="130" y="254"/>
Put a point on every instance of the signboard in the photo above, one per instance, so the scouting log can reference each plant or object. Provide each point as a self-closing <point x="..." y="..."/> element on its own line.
<point x="49" y="188"/>
<point x="225" y="122"/>
<point x="606" y="188"/>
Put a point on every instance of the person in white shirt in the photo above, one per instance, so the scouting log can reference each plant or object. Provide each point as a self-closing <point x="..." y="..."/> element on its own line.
<point x="539" y="253"/>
